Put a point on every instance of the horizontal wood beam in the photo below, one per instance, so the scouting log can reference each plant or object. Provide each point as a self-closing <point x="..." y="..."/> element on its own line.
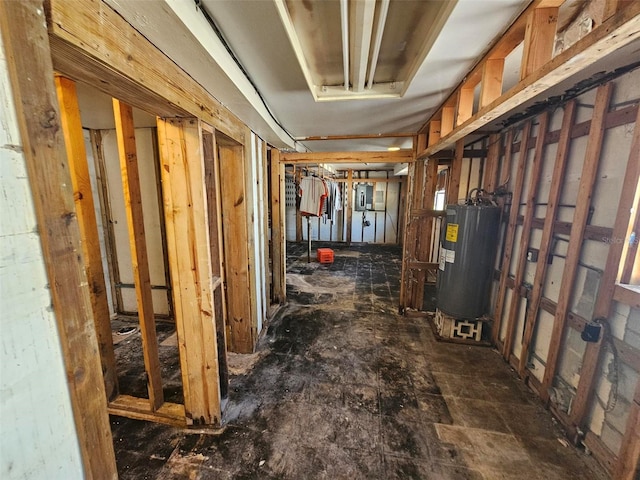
<point x="355" y="137"/>
<point x="399" y="156"/>
<point x="627" y="294"/>
<point x="618" y="31"/>
<point x="138" y="408"/>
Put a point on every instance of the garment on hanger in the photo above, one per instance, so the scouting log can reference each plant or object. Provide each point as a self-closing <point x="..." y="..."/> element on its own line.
<point x="313" y="191"/>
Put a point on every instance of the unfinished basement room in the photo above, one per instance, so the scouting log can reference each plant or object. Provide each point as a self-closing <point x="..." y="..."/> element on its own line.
<point x="320" y="239"/>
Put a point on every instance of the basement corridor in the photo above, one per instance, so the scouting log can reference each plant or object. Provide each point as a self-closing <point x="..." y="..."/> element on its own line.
<point x="342" y="387"/>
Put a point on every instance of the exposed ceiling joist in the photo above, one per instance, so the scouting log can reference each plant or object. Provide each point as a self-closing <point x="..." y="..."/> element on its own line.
<point x="400" y="156"/>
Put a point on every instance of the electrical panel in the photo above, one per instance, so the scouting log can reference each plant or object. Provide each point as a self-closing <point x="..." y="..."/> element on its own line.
<point x="369" y="199"/>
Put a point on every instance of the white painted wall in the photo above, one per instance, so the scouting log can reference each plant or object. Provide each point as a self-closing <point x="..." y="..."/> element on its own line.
<point x="37" y="432"/>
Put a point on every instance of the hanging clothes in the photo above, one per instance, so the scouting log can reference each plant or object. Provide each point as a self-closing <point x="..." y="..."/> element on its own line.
<point x="313" y="193"/>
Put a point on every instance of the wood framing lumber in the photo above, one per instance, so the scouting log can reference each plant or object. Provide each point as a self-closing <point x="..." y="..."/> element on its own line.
<point x="510" y="234"/>
<point x="356" y="137"/>
<point x="628" y="464"/>
<point x="349" y="205"/>
<point x="399" y="156"/>
<point x="576" y="238"/>
<point x="555" y="191"/>
<point x="591" y="357"/>
<point x="125" y="132"/>
<point x="532" y="192"/>
<point x="137" y="408"/>
<point x="491" y="86"/>
<point x="456" y="171"/>
<point x="24" y="35"/>
<point x="93" y="43"/>
<point x="189" y="250"/>
<point x="616" y="32"/>
<point x="85" y="209"/>
<point x="490" y="180"/>
<point x="240" y="331"/>
<point x="434" y="133"/>
<point x="539" y="39"/>
<point x="278" y="241"/>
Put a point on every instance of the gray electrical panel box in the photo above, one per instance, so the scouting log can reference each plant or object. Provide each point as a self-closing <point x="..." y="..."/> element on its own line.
<point x="364" y="197"/>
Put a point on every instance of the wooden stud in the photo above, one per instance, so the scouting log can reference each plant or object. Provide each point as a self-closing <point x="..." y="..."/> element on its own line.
<point x="349" y="205"/>
<point x="447" y="121"/>
<point x="555" y="191"/>
<point x="510" y="233"/>
<point x="407" y="240"/>
<point x="79" y="170"/>
<point x="125" y="132"/>
<point x="434" y="133"/>
<point x="278" y="241"/>
<point x="630" y="266"/>
<point x="539" y="40"/>
<point x="628" y="464"/>
<point x="132" y="407"/>
<point x="532" y="192"/>
<point x="490" y="180"/>
<point x="214" y="209"/>
<point x="298" y="214"/>
<point x="456" y="171"/>
<point x="506" y="163"/>
<point x="186" y="212"/>
<point x="465" y="105"/>
<point x="24" y="34"/>
<point x="492" y="75"/>
<point x="240" y="332"/>
<point x="591" y="358"/>
<point x="576" y="238"/>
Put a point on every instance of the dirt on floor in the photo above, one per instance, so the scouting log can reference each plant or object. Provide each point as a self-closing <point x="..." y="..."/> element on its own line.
<point x="342" y="386"/>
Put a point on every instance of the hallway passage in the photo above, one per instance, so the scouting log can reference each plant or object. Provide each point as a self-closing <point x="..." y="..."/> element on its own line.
<point x="342" y="387"/>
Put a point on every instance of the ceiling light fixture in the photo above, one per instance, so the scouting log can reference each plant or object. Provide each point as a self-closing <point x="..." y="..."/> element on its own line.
<point x="393" y="149"/>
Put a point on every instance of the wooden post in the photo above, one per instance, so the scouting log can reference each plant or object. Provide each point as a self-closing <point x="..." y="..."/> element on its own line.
<point x="534" y="180"/>
<point x="133" y="204"/>
<point x="580" y="216"/>
<point x="511" y="232"/>
<point x="349" y="205"/>
<point x="602" y="307"/>
<point x="490" y="179"/>
<point x="85" y="209"/>
<point x="456" y="172"/>
<point x="298" y="214"/>
<point x="189" y="249"/>
<point x="491" y="86"/>
<point x="240" y="325"/>
<point x="278" y="228"/>
<point x="539" y="39"/>
<point x="26" y="43"/>
<point x="555" y="190"/>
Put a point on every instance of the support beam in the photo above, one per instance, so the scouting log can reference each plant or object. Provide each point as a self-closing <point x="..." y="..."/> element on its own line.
<point x="85" y="209"/>
<point x="399" y="156"/>
<point x="576" y="238"/>
<point x="137" y="243"/>
<point x="510" y="233"/>
<point x="555" y="191"/>
<point x="447" y="121"/>
<point x="24" y="36"/>
<point x="434" y="133"/>
<point x="355" y="137"/>
<point x="278" y="240"/>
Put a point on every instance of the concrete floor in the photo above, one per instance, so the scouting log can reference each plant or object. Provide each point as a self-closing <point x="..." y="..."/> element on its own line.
<point x="341" y="386"/>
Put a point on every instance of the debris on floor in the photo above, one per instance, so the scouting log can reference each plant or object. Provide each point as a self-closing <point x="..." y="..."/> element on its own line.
<point x="342" y="387"/>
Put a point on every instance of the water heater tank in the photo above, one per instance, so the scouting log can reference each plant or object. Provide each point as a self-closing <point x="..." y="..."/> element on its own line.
<point x="467" y="254"/>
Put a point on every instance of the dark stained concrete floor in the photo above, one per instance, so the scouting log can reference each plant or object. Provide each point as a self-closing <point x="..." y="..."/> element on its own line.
<point x="341" y="386"/>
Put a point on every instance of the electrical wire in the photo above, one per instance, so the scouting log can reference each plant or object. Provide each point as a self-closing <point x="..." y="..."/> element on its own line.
<point x="225" y="44"/>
